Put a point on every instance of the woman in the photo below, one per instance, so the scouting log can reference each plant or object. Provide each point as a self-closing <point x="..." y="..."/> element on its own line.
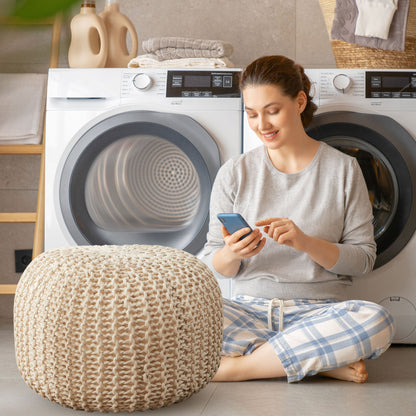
<point x="311" y="203"/>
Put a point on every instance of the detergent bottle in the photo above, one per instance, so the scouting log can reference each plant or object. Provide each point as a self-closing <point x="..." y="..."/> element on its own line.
<point x="89" y="40"/>
<point x="118" y="25"/>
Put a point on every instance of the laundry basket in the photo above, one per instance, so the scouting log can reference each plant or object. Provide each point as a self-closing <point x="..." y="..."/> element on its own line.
<point x="117" y="328"/>
<point x="349" y="55"/>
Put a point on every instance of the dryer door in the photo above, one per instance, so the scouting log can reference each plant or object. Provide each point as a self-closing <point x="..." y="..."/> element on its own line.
<point x="387" y="155"/>
<point x="138" y="177"/>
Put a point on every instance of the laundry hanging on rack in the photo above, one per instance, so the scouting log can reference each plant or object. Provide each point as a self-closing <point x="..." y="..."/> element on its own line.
<point x="22" y="108"/>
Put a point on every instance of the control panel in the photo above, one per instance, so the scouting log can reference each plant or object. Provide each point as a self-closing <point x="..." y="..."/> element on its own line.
<point x="202" y="84"/>
<point x="389" y="84"/>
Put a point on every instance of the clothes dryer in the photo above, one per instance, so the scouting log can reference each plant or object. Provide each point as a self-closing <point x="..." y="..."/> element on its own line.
<point x="131" y="154"/>
<point x="370" y="114"/>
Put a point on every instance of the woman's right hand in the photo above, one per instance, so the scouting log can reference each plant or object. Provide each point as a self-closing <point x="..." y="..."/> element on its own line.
<point x="227" y="260"/>
<point x="249" y="246"/>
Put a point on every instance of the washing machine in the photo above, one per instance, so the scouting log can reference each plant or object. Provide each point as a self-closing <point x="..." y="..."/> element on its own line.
<point x="131" y="154"/>
<point x="371" y="115"/>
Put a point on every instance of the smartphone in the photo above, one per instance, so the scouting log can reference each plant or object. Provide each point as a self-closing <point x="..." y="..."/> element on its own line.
<point x="234" y="222"/>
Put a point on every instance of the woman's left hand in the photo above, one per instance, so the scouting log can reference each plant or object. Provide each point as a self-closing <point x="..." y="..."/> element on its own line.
<point x="284" y="231"/>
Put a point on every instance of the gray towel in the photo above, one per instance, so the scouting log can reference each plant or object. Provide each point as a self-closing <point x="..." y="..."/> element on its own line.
<point x="176" y="48"/>
<point x="22" y="108"/>
<point x="345" y="18"/>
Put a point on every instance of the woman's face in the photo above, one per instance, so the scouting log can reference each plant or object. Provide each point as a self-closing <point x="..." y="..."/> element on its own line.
<point x="273" y="116"/>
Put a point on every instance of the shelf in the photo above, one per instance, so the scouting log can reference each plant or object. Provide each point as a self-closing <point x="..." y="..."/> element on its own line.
<point x="16" y="217"/>
<point x="32" y="149"/>
<point x="7" y="289"/>
<point x="21" y="149"/>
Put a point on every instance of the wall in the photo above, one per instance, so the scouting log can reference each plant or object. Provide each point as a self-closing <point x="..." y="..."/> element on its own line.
<point x="292" y="28"/>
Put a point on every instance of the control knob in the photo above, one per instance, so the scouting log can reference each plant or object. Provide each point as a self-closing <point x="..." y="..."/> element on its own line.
<point x="142" y="81"/>
<point x="342" y="83"/>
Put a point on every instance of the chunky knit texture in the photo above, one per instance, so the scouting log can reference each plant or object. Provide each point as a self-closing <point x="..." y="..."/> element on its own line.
<point x="117" y="328"/>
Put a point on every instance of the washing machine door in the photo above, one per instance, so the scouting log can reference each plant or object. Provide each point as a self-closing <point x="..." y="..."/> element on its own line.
<point x="138" y="177"/>
<point x="386" y="153"/>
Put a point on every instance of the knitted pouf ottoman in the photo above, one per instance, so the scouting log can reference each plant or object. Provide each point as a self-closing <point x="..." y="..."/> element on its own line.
<point x="117" y="328"/>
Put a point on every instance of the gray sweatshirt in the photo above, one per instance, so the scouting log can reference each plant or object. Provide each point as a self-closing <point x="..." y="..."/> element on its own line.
<point x="328" y="199"/>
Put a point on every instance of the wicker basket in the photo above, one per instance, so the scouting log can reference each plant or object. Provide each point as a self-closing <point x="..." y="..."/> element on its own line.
<point x="117" y="328"/>
<point x="348" y="55"/>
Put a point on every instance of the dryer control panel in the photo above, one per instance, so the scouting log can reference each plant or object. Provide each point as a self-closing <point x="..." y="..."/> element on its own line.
<point x="202" y="84"/>
<point x="390" y="84"/>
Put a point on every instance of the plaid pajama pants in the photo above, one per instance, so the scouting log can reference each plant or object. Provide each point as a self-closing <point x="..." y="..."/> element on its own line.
<point x="308" y="336"/>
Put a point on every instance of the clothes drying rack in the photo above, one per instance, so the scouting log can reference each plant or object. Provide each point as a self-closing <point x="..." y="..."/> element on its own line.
<point x="32" y="149"/>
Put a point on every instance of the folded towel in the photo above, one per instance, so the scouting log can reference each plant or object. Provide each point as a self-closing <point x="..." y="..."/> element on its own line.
<point x="344" y="24"/>
<point x="374" y="17"/>
<point x="151" y="61"/>
<point x="22" y="105"/>
<point x="177" y="47"/>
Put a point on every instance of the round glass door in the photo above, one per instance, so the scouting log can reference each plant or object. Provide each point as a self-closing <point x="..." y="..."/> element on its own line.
<point x="383" y="189"/>
<point x="386" y="154"/>
<point x="139" y="177"/>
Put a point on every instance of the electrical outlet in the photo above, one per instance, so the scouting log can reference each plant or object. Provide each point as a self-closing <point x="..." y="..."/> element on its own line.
<point x="21" y="259"/>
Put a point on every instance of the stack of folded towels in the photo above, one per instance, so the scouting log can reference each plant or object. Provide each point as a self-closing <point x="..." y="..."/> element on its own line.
<point x="372" y="23"/>
<point x="178" y="52"/>
<point x="22" y="108"/>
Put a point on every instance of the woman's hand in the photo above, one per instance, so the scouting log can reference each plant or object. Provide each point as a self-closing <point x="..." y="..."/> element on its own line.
<point x="249" y="246"/>
<point x="285" y="231"/>
<point x="227" y="260"/>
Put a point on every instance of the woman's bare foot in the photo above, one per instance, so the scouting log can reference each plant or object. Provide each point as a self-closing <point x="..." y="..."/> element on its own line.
<point x="355" y="372"/>
<point x="263" y="363"/>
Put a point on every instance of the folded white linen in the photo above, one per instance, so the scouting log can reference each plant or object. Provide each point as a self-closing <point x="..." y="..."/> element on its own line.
<point x="151" y="61"/>
<point x="374" y="17"/>
<point x="345" y="20"/>
<point x="22" y="108"/>
<point x="179" y="47"/>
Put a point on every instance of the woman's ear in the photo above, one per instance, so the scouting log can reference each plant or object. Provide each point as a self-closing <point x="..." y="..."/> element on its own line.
<point x="302" y="101"/>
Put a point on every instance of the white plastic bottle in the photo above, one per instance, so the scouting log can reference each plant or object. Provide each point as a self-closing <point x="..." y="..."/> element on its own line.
<point x="89" y="40"/>
<point x="118" y="25"/>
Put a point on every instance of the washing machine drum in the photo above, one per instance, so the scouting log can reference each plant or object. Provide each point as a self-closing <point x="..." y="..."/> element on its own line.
<point x="139" y="177"/>
<point x="386" y="153"/>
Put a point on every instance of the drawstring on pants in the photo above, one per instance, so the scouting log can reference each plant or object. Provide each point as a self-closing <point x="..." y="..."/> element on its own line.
<point x="274" y="302"/>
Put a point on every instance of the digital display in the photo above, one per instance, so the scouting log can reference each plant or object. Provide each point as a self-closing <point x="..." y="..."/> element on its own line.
<point x="203" y="84"/>
<point x="390" y="84"/>
<point x="395" y="82"/>
<point x="197" y="81"/>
